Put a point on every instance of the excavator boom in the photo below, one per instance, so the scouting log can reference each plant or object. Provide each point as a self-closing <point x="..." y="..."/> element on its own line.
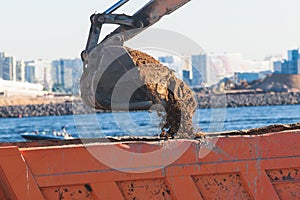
<point x="151" y="13"/>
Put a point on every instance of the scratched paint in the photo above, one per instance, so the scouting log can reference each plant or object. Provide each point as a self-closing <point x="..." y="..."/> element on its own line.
<point x="284" y="175"/>
<point x="288" y="191"/>
<point x="218" y="186"/>
<point x="68" y="192"/>
<point x="145" y="189"/>
<point x="286" y="182"/>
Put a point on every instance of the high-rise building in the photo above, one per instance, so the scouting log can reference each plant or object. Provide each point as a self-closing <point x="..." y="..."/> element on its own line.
<point x="1" y="64"/>
<point x="30" y="74"/>
<point x="187" y="69"/>
<point x="291" y="65"/>
<point x="56" y="72"/>
<point x="39" y="71"/>
<point x="277" y="67"/>
<point x="20" y="71"/>
<point x="8" y="68"/>
<point x="208" y="69"/>
<point x="186" y="76"/>
<point x="200" y="71"/>
<point x="65" y="72"/>
<point x="293" y="55"/>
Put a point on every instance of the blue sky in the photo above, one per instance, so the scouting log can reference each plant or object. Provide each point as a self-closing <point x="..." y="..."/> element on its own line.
<point x="53" y="29"/>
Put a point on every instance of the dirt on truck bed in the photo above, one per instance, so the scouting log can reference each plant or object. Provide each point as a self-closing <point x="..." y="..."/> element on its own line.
<point x="165" y="89"/>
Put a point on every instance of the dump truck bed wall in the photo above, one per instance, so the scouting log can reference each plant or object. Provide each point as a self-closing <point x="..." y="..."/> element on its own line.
<point x="238" y="167"/>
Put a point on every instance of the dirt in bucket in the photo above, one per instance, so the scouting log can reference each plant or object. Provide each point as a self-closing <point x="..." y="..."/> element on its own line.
<point x="174" y="97"/>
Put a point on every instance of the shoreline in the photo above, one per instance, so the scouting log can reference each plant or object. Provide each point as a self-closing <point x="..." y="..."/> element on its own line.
<point x="76" y="106"/>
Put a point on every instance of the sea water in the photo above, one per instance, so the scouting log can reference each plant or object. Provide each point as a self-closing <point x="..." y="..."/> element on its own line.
<point x="147" y="123"/>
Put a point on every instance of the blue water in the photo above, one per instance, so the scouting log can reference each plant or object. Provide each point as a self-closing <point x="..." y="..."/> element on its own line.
<point x="145" y="123"/>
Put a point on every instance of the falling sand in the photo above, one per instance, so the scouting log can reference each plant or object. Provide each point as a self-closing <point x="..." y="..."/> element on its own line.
<point x="154" y="87"/>
<point x="163" y="88"/>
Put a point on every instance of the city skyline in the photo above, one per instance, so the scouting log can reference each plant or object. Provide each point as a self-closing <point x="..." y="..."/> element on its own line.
<point x="224" y="64"/>
<point x="58" y="29"/>
<point x="62" y="75"/>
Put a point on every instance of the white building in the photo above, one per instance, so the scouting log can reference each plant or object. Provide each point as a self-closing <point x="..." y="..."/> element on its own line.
<point x="209" y="69"/>
<point x="256" y="66"/>
<point x="15" y="88"/>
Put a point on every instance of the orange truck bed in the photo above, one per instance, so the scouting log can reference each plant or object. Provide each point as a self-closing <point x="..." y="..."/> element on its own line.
<point x="229" y="167"/>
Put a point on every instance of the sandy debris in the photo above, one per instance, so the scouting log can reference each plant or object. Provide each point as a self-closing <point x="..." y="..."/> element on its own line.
<point x="165" y="89"/>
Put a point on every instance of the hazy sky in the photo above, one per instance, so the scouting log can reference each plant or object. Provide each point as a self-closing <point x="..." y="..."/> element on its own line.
<point x="53" y="29"/>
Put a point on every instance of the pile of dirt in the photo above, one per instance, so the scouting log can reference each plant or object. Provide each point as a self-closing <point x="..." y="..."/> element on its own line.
<point x="260" y="131"/>
<point x="279" y="83"/>
<point x="172" y="94"/>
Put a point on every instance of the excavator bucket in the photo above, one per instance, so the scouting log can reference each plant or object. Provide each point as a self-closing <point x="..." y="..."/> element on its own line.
<point x="112" y="81"/>
<point x="103" y="85"/>
<point x="121" y="79"/>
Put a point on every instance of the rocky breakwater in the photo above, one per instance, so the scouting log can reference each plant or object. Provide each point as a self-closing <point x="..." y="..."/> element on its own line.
<point x="242" y="99"/>
<point x="245" y="99"/>
<point x="52" y="109"/>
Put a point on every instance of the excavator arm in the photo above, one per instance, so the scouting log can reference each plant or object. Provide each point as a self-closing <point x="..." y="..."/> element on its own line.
<point x="142" y="19"/>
